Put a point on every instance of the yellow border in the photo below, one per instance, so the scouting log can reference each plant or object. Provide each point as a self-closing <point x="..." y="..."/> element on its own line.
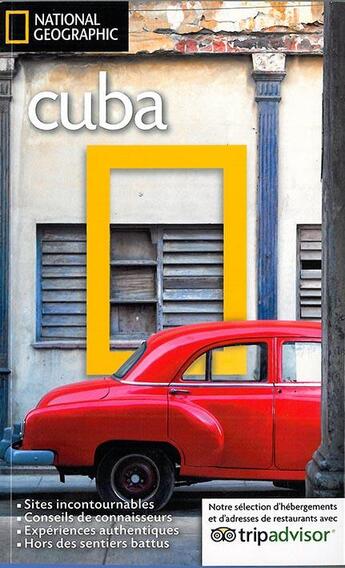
<point x="100" y="161"/>
<point x="9" y="13"/>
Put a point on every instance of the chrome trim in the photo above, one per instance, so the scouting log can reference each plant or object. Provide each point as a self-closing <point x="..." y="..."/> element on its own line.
<point x="16" y="456"/>
<point x="220" y="384"/>
<point x="292" y="384"/>
<point x="145" y="384"/>
<point x="201" y="384"/>
<point x="11" y="435"/>
<point x="214" y="384"/>
<point x="177" y="391"/>
<point x="29" y="457"/>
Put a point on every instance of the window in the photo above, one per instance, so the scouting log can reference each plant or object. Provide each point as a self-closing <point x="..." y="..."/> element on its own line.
<point x="133" y="284"/>
<point x="197" y="370"/>
<point x="61" y="283"/>
<point x="239" y="363"/>
<point x="309" y="272"/>
<point x="161" y="277"/>
<point x="164" y="277"/>
<point x="301" y="362"/>
<point x="129" y="364"/>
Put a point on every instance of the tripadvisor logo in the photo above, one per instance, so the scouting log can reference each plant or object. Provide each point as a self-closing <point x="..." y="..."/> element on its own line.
<point x="259" y="537"/>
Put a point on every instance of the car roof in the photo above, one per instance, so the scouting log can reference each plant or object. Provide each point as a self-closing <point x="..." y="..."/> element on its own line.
<point x="168" y="350"/>
<point x="237" y="328"/>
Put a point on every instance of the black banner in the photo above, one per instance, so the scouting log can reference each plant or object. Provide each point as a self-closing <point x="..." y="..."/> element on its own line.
<point x="50" y="27"/>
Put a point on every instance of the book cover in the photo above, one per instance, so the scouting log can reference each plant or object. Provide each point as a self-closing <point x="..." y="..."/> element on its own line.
<point x="171" y="239"/>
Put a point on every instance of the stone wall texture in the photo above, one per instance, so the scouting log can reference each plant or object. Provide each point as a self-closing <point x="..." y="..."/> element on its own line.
<point x="226" y="26"/>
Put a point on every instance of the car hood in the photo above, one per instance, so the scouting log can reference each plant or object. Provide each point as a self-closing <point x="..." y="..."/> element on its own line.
<point x="77" y="392"/>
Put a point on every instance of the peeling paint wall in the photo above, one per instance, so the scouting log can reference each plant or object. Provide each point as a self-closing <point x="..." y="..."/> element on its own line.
<point x="226" y="26"/>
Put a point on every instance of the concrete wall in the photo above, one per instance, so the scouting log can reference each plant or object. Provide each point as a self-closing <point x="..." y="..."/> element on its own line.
<point x="167" y="196"/>
<point x="207" y="102"/>
<point x="300" y="168"/>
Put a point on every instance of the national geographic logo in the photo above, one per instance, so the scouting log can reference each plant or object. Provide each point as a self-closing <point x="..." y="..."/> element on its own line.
<point x="259" y="537"/>
<point x="16" y="27"/>
<point x="53" y="27"/>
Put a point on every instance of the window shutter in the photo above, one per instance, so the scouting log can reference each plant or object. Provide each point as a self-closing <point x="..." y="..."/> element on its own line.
<point x="161" y="277"/>
<point x="309" y="251"/>
<point x="192" y="276"/>
<point x="62" y="285"/>
<point x="133" y="289"/>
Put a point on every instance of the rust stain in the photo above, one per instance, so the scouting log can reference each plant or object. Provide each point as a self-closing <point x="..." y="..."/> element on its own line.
<point x="279" y="7"/>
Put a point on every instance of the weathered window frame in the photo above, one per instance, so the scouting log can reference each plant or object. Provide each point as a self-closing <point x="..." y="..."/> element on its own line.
<point x="40" y="341"/>
<point x="299" y="262"/>
<point x="180" y="296"/>
<point x="161" y="236"/>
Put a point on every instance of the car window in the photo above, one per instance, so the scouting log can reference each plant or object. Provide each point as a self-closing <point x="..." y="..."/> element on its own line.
<point x="301" y="362"/>
<point x="131" y="361"/>
<point x="197" y="370"/>
<point x="240" y="363"/>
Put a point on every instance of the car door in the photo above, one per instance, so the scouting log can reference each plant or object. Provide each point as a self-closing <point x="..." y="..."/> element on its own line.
<point x="221" y="407"/>
<point x="297" y="397"/>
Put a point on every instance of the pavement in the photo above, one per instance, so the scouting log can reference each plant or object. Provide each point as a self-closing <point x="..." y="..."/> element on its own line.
<point x="34" y="490"/>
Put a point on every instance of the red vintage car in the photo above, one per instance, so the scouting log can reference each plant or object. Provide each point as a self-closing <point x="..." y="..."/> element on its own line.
<point x="225" y="400"/>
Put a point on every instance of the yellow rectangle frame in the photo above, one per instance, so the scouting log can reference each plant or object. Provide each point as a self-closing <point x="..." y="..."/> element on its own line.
<point x="100" y="161"/>
<point x="7" y="27"/>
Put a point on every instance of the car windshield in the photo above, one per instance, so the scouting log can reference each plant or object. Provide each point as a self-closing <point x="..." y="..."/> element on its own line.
<point x="131" y="361"/>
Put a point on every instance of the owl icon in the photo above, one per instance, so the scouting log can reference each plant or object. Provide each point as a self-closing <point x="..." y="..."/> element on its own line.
<point x="223" y="533"/>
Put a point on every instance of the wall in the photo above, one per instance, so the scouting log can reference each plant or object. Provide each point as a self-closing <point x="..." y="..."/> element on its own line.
<point x="207" y="102"/>
<point x="300" y="168"/>
<point x="167" y="196"/>
<point x="225" y="26"/>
